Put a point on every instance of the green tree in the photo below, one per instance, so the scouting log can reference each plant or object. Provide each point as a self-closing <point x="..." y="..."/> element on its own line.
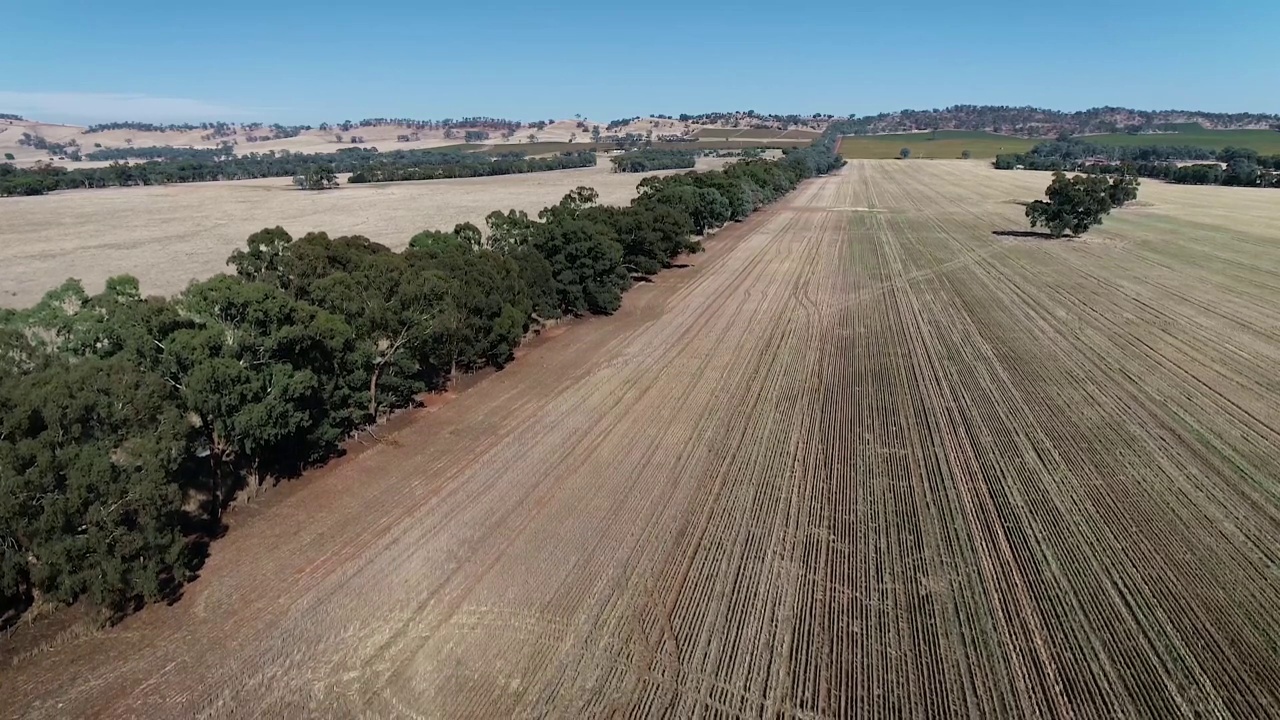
<point x="1074" y="204"/>
<point x="317" y="177"/>
<point x="584" y="254"/>
<point x="904" y="153"/>
<point x="260" y="261"/>
<point x="1123" y="189"/>
<point x="965" y="154"/>
<point x="91" y="506"/>
<point x="8" y="156"/>
<point x="269" y="382"/>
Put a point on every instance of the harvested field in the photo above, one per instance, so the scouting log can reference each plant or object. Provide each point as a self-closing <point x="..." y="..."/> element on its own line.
<point x="170" y="235"/>
<point x="864" y="458"/>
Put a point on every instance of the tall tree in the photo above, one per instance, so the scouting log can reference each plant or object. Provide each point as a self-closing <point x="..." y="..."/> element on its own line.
<point x="1073" y="204"/>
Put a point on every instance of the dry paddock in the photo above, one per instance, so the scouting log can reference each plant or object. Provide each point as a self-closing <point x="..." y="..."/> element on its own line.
<point x="862" y="459"/>
<point x="168" y="236"/>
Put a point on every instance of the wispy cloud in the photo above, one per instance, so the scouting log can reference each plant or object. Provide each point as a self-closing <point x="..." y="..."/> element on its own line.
<point x="75" y="107"/>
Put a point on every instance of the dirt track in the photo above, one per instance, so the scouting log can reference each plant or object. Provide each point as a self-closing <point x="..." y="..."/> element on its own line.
<point x="863" y="459"/>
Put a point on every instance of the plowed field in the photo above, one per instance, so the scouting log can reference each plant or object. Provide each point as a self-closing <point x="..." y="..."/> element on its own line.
<point x="863" y="459"/>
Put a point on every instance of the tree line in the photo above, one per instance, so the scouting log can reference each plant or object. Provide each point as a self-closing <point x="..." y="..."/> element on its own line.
<point x="163" y="152"/>
<point x="128" y="424"/>
<point x="471" y="165"/>
<point x="1239" y="172"/>
<point x="1239" y="167"/>
<point x="1064" y="153"/>
<point x="145" y="127"/>
<point x="12" y="116"/>
<point x="197" y="166"/>
<point x="650" y="159"/>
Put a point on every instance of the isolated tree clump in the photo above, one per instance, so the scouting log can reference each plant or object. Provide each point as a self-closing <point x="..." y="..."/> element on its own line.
<point x="965" y="154"/>
<point x="1078" y="203"/>
<point x="319" y="177"/>
<point x="904" y="153"/>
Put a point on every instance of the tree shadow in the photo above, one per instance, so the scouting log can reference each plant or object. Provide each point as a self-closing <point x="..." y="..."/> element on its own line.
<point x="1035" y="234"/>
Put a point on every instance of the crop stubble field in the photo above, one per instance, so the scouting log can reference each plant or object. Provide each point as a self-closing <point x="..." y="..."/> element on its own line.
<point x="864" y="458"/>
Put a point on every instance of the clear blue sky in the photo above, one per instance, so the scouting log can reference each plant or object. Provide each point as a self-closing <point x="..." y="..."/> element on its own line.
<point x="317" y="61"/>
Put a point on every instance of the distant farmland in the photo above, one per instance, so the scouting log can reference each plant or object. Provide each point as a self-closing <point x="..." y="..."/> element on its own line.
<point x="984" y="145"/>
<point x="948" y="144"/>
<point x="1266" y="142"/>
<point x="704" y="134"/>
<point x="543" y="148"/>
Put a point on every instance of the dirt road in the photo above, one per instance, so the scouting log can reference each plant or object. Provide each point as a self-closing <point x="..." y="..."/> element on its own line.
<point x="863" y="459"/>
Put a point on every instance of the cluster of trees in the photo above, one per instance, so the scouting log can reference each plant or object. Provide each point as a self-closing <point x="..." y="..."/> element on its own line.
<point x="218" y="130"/>
<point x="1067" y="152"/>
<point x="627" y="141"/>
<point x="750" y="152"/>
<point x="475" y="136"/>
<point x="71" y="147"/>
<point x="654" y="159"/>
<point x="11" y="116"/>
<point x="619" y="123"/>
<point x="1239" y="172"/>
<point x="279" y="131"/>
<point x="128" y="424"/>
<point x="214" y="130"/>
<point x="1040" y="122"/>
<point x="482" y="123"/>
<point x="751" y="118"/>
<point x="148" y="127"/>
<point x="318" y="177"/>
<point x="1073" y="205"/>
<point x="191" y="167"/>
<point x="472" y="165"/>
<point x="1240" y="167"/>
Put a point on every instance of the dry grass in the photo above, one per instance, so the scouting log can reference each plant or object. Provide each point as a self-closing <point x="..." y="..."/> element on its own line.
<point x="168" y="236"/>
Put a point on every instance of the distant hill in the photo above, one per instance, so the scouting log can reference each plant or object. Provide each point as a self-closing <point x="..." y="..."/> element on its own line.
<point x="1035" y="122"/>
<point x="30" y="141"/>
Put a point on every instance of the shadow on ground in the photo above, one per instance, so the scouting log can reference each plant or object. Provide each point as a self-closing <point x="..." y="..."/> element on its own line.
<point x="1033" y="234"/>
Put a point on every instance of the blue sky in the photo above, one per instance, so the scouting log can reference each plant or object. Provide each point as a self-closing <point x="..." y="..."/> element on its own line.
<point x="310" y="62"/>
